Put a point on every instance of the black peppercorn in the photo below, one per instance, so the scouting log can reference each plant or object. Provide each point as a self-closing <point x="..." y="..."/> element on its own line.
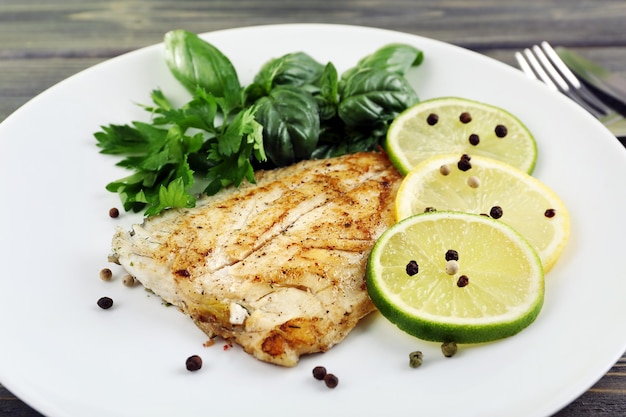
<point x="319" y="372"/>
<point x="331" y="380"/>
<point x="432" y="119"/>
<point x="105" y="303"/>
<point x="412" y="268"/>
<point x="465" y="117"/>
<point x="462" y="281"/>
<point x="464" y="163"/>
<point x="193" y="363"/>
<point x="501" y="131"/>
<point x="452" y="255"/>
<point x="496" y="212"/>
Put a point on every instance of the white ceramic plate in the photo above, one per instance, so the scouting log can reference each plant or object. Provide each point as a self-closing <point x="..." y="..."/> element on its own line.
<point x="67" y="357"/>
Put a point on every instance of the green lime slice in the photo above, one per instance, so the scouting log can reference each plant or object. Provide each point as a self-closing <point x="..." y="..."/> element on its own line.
<point x="458" y="125"/>
<point x="455" y="277"/>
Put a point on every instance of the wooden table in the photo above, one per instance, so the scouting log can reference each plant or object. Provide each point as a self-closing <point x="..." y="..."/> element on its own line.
<point x="43" y="42"/>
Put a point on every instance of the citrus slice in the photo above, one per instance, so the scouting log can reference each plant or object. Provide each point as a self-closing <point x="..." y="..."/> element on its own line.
<point x="458" y="125"/>
<point x="455" y="277"/>
<point x="482" y="185"/>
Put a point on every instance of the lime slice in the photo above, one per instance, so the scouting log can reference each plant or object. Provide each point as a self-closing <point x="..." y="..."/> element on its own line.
<point x="493" y="290"/>
<point x="458" y="125"/>
<point x="486" y="186"/>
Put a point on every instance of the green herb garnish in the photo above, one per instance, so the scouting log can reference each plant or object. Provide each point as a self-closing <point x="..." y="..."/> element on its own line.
<point x="296" y="108"/>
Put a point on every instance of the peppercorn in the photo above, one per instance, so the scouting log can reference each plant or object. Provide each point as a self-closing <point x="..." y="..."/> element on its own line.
<point x="114" y="212"/>
<point x="462" y="281"/>
<point x="106" y="274"/>
<point x="452" y="267"/>
<point x="449" y="349"/>
<point x="429" y="209"/>
<point x="501" y="131"/>
<point x="415" y="359"/>
<point x="319" y="372"/>
<point x="496" y="212"/>
<point x="444" y="169"/>
<point x="105" y="303"/>
<point x="473" y="182"/>
<point x="474" y="139"/>
<point x="464" y="163"/>
<point x="452" y="255"/>
<point x="331" y="380"/>
<point x="128" y="280"/>
<point x="432" y="119"/>
<point x="550" y="213"/>
<point x="465" y="117"/>
<point x="412" y="268"/>
<point x="193" y="363"/>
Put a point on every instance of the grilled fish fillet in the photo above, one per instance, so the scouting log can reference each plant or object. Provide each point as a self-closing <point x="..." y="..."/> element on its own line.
<point x="277" y="266"/>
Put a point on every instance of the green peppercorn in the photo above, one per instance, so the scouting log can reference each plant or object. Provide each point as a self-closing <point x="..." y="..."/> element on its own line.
<point x="415" y="359"/>
<point x="449" y="349"/>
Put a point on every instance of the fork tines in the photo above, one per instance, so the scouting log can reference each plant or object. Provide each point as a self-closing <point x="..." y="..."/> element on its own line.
<point x="543" y="63"/>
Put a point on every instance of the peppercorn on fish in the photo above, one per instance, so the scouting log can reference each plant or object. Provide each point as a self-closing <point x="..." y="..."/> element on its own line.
<point x="277" y="266"/>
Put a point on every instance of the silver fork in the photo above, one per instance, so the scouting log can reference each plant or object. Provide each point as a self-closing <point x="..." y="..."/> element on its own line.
<point x="541" y="62"/>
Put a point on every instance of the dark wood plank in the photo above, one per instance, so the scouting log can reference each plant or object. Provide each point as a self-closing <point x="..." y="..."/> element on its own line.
<point x="106" y="28"/>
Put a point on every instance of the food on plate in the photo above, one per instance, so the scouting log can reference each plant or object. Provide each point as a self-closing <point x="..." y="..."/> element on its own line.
<point x="458" y="125"/>
<point x="481" y="185"/>
<point x="495" y="291"/>
<point x="277" y="266"/>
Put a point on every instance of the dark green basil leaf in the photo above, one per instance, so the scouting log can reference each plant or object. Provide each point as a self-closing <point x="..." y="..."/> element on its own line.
<point x="394" y="57"/>
<point x="196" y="63"/>
<point x="291" y="124"/>
<point x="328" y="96"/>
<point x="373" y="95"/>
<point x="296" y="69"/>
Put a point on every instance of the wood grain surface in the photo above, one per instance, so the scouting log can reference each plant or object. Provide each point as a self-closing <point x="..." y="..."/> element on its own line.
<point x="44" y="42"/>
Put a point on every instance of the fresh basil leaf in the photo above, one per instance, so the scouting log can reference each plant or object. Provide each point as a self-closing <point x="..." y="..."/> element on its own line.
<point x="328" y="96"/>
<point x="291" y="124"/>
<point x="196" y="63"/>
<point x="296" y="69"/>
<point x="395" y="57"/>
<point x="374" y="95"/>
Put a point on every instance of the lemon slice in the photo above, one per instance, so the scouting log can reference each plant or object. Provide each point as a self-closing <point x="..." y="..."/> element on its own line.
<point x="455" y="277"/>
<point x="482" y="185"/>
<point x="458" y="125"/>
